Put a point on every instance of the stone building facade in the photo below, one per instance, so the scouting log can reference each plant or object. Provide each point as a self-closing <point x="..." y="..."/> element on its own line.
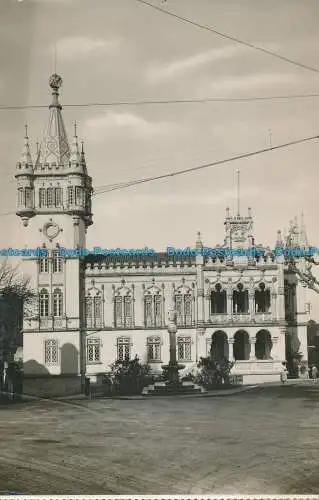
<point x="93" y="310"/>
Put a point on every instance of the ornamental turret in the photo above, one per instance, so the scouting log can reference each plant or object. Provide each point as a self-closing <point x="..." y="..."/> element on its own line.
<point x="58" y="182"/>
<point x="25" y="183"/>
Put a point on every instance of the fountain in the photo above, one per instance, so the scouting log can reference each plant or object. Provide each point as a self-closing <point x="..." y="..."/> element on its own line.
<point x="173" y="385"/>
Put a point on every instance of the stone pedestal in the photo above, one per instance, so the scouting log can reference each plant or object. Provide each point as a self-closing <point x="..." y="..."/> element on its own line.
<point x="172" y="386"/>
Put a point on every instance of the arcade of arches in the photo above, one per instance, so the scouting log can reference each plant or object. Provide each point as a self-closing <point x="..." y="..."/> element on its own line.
<point x="240" y="299"/>
<point x="242" y="347"/>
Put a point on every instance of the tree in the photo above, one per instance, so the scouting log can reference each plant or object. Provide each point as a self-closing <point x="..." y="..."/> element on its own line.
<point x="128" y="377"/>
<point x="15" y="295"/>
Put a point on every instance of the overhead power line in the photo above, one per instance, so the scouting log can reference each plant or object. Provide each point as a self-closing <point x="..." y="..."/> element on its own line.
<point x="123" y="185"/>
<point x="229" y="37"/>
<point x="165" y="101"/>
<point x="217" y="163"/>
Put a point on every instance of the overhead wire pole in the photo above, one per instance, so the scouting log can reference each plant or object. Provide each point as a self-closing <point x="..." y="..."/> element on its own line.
<point x="229" y="37"/>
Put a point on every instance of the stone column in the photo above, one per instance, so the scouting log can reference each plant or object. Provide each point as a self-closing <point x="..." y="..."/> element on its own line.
<point x="252" y="355"/>
<point x="273" y="308"/>
<point x="251" y="299"/>
<point x="274" y="351"/>
<point x="229" y="302"/>
<point x="231" y="349"/>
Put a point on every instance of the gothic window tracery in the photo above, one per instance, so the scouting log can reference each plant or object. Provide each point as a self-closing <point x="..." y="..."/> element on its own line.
<point x="123" y="311"/>
<point x="240" y="300"/>
<point x="218" y="300"/>
<point x="184" y="306"/>
<point x="153" y="308"/>
<point x="262" y="299"/>
<point x="93" y="309"/>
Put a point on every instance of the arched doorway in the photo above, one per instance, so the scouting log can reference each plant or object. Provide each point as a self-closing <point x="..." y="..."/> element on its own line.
<point x="263" y="345"/>
<point x="241" y="346"/>
<point x="219" y="347"/>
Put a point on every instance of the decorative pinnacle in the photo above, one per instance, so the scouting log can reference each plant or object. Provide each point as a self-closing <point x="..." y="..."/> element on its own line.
<point x="55" y="82"/>
<point x="26" y="132"/>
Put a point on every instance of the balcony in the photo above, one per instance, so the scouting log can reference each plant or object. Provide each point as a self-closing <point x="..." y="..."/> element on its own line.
<point x="243" y="318"/>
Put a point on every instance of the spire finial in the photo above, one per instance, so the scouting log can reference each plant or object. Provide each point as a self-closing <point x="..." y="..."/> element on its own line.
<point x="199" y="242"/>
<point x="238" y="191"/>
<point x="26" y="131"/>
<point x="75" y="129"/>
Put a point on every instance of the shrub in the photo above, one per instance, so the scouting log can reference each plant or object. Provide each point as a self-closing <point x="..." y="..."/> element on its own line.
<point x="127" y="377"/>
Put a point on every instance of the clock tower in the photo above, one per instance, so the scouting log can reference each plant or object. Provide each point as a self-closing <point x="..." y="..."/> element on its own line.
<point x="54" y="204"/>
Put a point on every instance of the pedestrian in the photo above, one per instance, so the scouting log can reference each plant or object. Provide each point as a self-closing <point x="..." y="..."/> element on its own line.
<point x="314" y="371"/>
<point x="283" y="375"/>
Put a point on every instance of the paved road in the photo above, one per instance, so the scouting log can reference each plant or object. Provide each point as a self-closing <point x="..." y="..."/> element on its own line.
<point x="261" y="441"/>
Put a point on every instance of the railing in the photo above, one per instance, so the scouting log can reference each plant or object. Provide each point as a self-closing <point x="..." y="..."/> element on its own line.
<point x="241" y="318"/>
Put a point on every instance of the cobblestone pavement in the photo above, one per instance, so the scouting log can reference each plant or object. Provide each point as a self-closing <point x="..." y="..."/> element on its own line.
<point x="261" y="441"/>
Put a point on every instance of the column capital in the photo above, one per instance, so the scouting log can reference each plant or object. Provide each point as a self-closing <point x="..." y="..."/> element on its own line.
<point x="252" y="340"/>
<point x="231" y="340"/>
<point x="200" y="292"/>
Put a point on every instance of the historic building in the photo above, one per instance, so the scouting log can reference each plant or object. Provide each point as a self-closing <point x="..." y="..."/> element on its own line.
<point x="93" y="310"/>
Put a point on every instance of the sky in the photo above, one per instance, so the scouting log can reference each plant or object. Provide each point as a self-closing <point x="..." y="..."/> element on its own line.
<point x="121" y="50"/>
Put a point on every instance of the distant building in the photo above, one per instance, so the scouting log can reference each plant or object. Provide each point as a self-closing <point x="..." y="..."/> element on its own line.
<point x="93" y="310"/>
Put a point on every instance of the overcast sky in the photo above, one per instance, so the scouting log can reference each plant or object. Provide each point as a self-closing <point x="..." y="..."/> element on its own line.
<point x="113" y="50"/>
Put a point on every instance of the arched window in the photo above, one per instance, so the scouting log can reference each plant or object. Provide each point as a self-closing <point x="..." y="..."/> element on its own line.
<point x="57" y="262"/>
<point x="218" y="300"/>
<point x="153" y="310"/>
<point x="57" y="303"/>
<point x="262" y="299"/>
<point x="44" y="303"/>
<point x="153" y="349"/>
<point x="50" y="197"/>
<point x="183" y="306"/>
<point x="123" y="311"/>
<point x="240" y="300"/>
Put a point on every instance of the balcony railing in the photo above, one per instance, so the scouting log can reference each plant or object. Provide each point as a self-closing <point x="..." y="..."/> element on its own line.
<point x="241" y="318"/>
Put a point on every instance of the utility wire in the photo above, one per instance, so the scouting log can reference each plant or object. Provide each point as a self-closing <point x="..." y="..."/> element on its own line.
<point x="107" y="189"/>
<point x="123" y="185"/>
<point x="165" y="101"/>
<point x="229" y="37"/>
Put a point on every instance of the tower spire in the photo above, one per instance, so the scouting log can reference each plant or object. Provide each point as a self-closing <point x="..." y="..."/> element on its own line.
<point x="26" y="159"/>
<point x="55" y="147"/>
<point x="75" y="157"/>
